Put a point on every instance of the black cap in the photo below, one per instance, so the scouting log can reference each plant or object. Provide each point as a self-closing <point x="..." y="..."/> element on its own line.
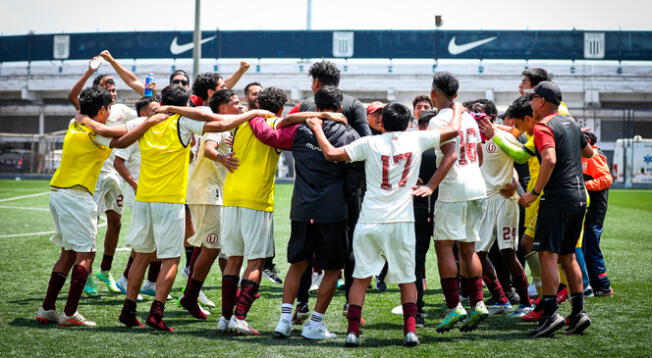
<point x="549" y="91"/>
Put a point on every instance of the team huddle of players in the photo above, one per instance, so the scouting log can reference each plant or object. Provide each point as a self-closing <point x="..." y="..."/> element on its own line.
<point x="372" y="187"/>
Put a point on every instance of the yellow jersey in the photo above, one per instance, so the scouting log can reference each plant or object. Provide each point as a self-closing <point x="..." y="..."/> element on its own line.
<point x="532" y="163"/>
<point x="251" y="186"/>
<point x="83" y="154"/>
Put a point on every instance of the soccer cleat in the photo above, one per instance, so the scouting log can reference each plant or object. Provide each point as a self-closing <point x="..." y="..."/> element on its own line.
<point x="47" y="316"/>
<point x="240" y="326"/>
<point x="75" y="320"/>
<point x="317" y="332"/>
<point x="352" y="340"/>
<point x="149" y="288"/>
<point x="222" y="325"/>
<point x="548" y="325"/>
<point x="381" y="286"/>
<point x="452" y="317"/>
<point x="600" y="292"/>
<point x="130" y="320"/>
<point x="204" y="300"/>
<point x="521" y="311"/>
<point x="473" y="319"/>
<point x="316" y="281"/>
<point x="158" y="323"/>
<point x="301" y="313"/>
<point x="341" y="285"/>
<point x="283" y="329"/>
<point x="578" y="323"/>
<point x="500" y="308"/>
<point x="532" y="290"/>
<point x="562" y="295"/>
<point x="107" y="279"/>
<point x="122" y="286"/>
<point x="410" y="339"/>
<point x="533" y="316"/>
<point x="421" y="320"/>
<point x="90" y="289"/>
<point x="272" y="274"/>
<point x="513" y="297"/>
<point x="185" y="272"/>
<point x="193" y="308"/>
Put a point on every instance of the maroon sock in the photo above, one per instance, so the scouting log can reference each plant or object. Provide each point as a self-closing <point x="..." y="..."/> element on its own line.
<point x="129" y="262"/>
<point x="189" y="299"/>
<point x="354" y="315"/>
<point x="57" y="280"/>
<point x="521" y="285"/>
<point x="107" y="261"/>
<point x="155" y="319"/>
<point x="464" y="292"/>
<point x="495" y="288"/>
<point x="451" y="293"/>
<point x="195" y="254"/>
<point x="409" y="317"/>
<point x="229" y="288"/>
<point x="128" y="314"/>
<point x="154" y="270"/>
<point x="475" y="290"/>
<point x="77" y="282"/>
<point x="248" y="290"/>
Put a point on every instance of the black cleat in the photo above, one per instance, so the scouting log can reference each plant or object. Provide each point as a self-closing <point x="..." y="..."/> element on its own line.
<point x="578" y="323"/>
<point x="548" y="325"/>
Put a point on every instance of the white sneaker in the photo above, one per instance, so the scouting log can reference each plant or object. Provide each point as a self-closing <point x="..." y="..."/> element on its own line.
<point x="240" y="326"/>
<point x="532" y="290"/>
<point x="185" y="272"/>
<point x="75" y="320"/>
<point x="122" y="286"/>
<point x="316" y="281"/>
<point x="222" y="325"/>
<point x="47" y="316"/>
<point x="410" y="339"/>
<point x="283" y="329"/>
<point x="149" y="288"/>
<point x="204" y="311"/>
<point x="500" y="308"/>
<point x="316" y="332"/>
<point x="352" y="340"/>
<point x="204" y="300"/>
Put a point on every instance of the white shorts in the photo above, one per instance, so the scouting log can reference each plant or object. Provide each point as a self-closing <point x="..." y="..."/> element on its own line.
<point x="500" y="220"/>
<point x="128" y="193"/>
<point x="108" y="194"/>
<point x="75" y="220"/>
<point x="206" y="219"/>
<point x="248" y="233"/>
<point x="459" y="221"/>
<point x="375" y="244"/>
<point x="157" y="227"/>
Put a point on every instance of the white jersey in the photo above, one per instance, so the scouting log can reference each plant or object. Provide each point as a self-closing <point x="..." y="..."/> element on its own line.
<point x="206" y="182"/>
<point x="464" y="181"/>
<point x="119" y="115"/>
<point x="392" y="163"/>
<point x="497" y="167"/>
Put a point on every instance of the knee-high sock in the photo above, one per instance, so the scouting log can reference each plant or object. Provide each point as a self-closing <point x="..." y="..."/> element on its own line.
<point x="77" y="282"/>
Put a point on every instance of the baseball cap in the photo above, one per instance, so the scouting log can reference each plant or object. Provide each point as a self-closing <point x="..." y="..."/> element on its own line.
<point x="549" y="91"/>
<point x="374" y="106"/>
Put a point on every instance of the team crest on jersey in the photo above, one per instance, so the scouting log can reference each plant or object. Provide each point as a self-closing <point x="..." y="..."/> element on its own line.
<point x="211" y="239"/>
<point x="491" y="147"/>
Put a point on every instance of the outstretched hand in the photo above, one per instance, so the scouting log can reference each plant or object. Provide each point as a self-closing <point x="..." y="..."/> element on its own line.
<point x="106" y="55"/>
<point x="421" y="190"/>
<point x="229" y="161"/>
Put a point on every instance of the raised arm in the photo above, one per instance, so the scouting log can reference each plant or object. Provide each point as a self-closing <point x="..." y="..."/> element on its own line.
<point x="282" y="138"/>
<point x="100" y="128"/>
<point x="228" y="122"/>
<point x="205" y="116"/>
<point x="134" y="134"/>
<point x="231" y="81"/>
<point x="129" y="78"/>
<point x="73" y="95"/>
<point x="330" y="153"/>
<point x="300" y="117"/>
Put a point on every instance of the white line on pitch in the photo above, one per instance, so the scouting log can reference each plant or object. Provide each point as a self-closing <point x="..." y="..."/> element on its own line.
<point x="38" y="233"/>
<point x="23" y="208"/>
<point x="24" y="196"/>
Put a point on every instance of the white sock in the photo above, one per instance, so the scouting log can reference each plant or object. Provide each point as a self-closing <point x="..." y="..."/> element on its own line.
<point x="317" y="319"/>
<point x="286" y="311"/>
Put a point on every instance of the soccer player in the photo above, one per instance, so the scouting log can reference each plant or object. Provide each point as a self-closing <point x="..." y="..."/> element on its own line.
<point x="597" y="180"/>
<point x="159" y="217"/>
<point x="385" y="228"/>
<point x="420" y="104"/>
<point x="72" y="207"/>
<point x="251" y="93"/>
<point x="460" y="206"/>
<point x="560" y="146"/>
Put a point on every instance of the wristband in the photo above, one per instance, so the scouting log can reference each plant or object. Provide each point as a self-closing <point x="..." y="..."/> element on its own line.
<point x="533" y="192"/>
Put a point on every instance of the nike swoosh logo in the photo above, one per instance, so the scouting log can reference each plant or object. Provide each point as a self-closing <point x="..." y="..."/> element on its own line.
<point x="456" y="49"/>
<point x="176" y="49"/>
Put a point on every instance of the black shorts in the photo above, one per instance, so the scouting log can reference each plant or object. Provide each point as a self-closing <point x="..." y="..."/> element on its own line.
<point x="558" y="229"/>
<point x="327" y="242"/>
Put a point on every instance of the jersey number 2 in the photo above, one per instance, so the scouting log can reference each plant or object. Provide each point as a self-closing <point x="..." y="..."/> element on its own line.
<point x="406" y="169"/>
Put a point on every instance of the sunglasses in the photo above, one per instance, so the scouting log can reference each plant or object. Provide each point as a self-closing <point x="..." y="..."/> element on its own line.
<point x="179" y="82"/>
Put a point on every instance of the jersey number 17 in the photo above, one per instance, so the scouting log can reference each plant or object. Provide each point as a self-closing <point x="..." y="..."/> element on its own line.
<point x="407" y="157"/>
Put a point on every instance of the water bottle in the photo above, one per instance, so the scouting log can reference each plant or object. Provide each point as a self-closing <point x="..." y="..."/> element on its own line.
<point x="150" y="79"/>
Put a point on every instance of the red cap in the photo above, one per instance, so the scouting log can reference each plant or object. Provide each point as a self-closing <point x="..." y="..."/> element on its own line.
<point x="374" y="106"/>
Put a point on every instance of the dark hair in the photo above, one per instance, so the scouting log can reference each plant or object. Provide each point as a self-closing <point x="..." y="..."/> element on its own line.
<point x="426" y="116"/>
<point x="326" y="72"/>
<point x="180" y="72"/>
<point x="328" y="97"/>
<point x="272" y="99"/>
<point x="446" y="83"/>
<point x="536" y="75"/>
<point x="174" y="95"/>
<point x="219" y="98"/>
<point x="99" y="78"/>
<point x="203" y="82"/>
<point x="246" y="89"/>
<point x="421" y="98"/>
<point x="590" y="136"/>
<point x="520" y="108"/>
<point x="396" y="117"/>
<point x="487" y="106"/>
<point x="92" y="99"/>
<point x="144" y="102"/>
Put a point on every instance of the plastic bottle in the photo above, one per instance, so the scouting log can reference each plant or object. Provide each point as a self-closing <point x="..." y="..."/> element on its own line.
<point x="150" y="79"/>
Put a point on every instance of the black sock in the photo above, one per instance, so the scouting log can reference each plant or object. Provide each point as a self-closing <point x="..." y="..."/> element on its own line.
<point x="577" y="300"/>
<point x="549" y="305"/>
